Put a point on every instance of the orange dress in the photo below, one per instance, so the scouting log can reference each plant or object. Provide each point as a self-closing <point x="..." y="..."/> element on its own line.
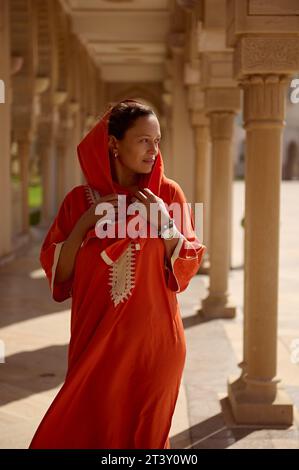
<point x="127" y="347"/>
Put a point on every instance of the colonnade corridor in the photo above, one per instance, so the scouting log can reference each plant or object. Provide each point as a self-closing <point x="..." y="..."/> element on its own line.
<point x="222" y="78"/>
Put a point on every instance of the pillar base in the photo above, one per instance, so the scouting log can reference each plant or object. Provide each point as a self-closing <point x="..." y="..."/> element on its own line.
<point x="211" y="308"/>
<point x="247" y="410"/>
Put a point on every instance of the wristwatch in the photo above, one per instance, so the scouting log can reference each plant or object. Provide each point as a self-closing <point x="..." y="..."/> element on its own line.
<point x="167" y="231"/>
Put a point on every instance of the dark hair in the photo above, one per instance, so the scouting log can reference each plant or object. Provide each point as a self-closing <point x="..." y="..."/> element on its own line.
<point x="123" y="116"/>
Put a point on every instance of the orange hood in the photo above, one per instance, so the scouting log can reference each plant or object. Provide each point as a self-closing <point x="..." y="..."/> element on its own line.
<point x="93" y="154"/>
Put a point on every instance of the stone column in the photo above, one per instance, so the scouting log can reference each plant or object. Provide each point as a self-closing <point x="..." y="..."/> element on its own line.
<point x="201" y="132"/>
<point x="24" y="147"/>
<point x="48" y="171"/>
<point x="222" y="102"/>
<point x="167" y="137"/>
<point x="265" y="54"/>
<point x="67" y="139"/>
<point x="183" y="153"/>
<point x="217" y="303"/>
<point x="73" y="173"/>
<point x="202" y="173"/>
<point x="26" y="87"/>
<point x="61" y="170"/>
<point x="61" y="140"/>
<point x="46" y="132"/>
<point x="5" y="119"/>
<point x="257" y="398"/>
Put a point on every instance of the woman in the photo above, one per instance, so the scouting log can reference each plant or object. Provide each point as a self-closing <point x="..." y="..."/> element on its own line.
<point x="127" y="347"/>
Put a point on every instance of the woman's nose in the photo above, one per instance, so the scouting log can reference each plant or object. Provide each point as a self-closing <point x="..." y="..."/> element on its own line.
<point x="153" y="150"/>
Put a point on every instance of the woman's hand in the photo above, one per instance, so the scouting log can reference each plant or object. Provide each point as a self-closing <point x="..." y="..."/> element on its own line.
<point x="69" y="250"/>
<point x="147" y="197"/>
<point x="160" y="212"/>
<point x="89" y="219"/>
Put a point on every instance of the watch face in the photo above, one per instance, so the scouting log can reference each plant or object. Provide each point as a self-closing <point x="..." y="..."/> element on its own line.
<point x="168" y="234"/>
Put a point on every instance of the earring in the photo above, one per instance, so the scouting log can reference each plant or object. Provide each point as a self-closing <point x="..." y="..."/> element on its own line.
<point x="115" y="154"/>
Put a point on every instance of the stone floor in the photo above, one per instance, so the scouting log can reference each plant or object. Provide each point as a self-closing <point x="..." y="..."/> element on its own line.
<point x="35" y="331"/>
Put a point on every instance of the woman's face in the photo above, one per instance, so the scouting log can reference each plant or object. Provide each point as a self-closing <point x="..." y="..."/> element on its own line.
<point x="138" y="149"/>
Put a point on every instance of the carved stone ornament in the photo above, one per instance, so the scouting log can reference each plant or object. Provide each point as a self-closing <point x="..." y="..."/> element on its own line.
<point x="254" y="55"/>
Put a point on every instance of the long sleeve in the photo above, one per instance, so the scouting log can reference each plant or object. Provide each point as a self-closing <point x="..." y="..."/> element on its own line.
<point x="188" y="253"/>
<point x="68" y="214"/>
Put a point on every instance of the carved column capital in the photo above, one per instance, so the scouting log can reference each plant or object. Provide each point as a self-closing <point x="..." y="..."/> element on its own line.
<point x="16" y="64"/>
<point x="264" y="100"/>
<point x="59" y="98"/>
<point x="74" y="106"/>
<point x="221" y="125"/>
<point x="41" y="84"/>
<point x="222" y="99"/>
<point x="199" y="119"/>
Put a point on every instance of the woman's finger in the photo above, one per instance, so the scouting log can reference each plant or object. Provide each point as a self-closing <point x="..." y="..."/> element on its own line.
<point x="140" y="196"/>
<point x="148" y="192"/>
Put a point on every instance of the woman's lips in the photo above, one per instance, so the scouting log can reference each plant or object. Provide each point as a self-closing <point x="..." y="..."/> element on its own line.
<point x="149" y="161"/>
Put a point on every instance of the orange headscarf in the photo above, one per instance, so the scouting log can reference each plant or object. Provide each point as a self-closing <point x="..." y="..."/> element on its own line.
<point x="93" y="153"/>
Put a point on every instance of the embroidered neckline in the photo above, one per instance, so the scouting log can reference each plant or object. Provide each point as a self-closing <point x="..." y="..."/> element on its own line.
<point x="122" y="276"/>
<point x="92" y="195"/>
<point x="122" y="271"/>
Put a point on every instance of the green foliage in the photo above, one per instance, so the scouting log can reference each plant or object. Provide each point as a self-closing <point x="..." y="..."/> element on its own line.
<point x="35" y="196"/>
<point x="35" y="202"/>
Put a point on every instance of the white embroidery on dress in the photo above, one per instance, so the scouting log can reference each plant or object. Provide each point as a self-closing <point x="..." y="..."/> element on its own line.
<point x="91" y="194"/>
<point x="122" y="275"/>
<point x="122" y="271"/>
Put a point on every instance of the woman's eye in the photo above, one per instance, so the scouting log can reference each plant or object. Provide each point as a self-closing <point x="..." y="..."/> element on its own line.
<point x="147" y="140"/>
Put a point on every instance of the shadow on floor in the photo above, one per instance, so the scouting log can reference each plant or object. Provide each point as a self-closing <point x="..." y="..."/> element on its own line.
<point x="222" y="431"/>
<point x="27" y="373"/>
<point x="211" y="433"/>
<point x="22" y="295"/>
<point x="194" y="320"/>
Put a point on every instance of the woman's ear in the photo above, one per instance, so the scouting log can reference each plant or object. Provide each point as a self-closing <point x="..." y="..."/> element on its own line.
<point x="112" y="143"/>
